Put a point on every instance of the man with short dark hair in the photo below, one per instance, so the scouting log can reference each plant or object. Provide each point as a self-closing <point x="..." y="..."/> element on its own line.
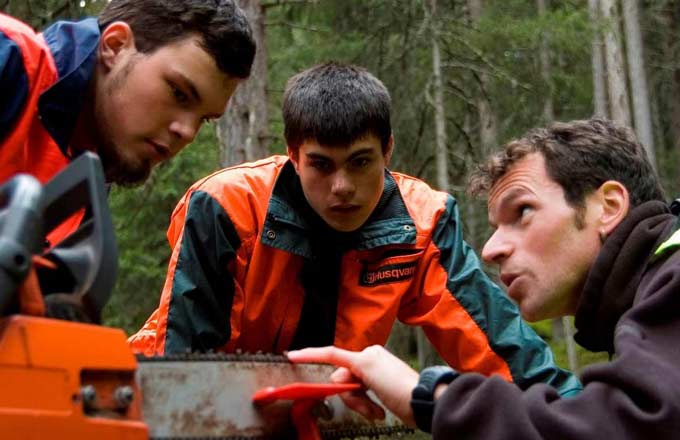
<point x="581" y="228"/>
<point x="328" y="246"/>
<point x="133" y="86"/>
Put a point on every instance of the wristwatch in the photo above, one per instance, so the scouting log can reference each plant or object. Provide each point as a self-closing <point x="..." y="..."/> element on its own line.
<point x="422" y="396"/>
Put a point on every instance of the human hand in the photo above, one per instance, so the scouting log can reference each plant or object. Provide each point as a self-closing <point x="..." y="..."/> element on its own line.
<point x="387" y="376"/>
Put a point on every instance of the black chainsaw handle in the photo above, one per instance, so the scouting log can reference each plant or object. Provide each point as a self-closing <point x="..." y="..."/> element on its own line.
<point x="90" y="254"/>
<point x="86" y="260"/>
<point x="20" y="232"/>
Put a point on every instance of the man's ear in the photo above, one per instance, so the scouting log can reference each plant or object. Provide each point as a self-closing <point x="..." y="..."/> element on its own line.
<point x="615" y="202"/>
<point x="293" y="154"/>
<point x="389" y="150"/>
<point x="115" y="39"/>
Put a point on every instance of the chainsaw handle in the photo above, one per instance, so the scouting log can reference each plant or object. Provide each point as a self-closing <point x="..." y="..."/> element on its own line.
<point x="304" y="397"/>
<point x="299" y="391"/>
<point x="20" y="226"/>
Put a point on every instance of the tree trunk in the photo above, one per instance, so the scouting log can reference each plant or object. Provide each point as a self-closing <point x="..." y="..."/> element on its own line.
<point x="616" y="75"/>
<point x="488" y="122"/>
<point x="439" y="111"/>
<point x="599" y="86"/>
<point x="544" y="55"/>
<point x="243" y="130"/>
<point x="638" y="78"/>
<point x="672" y="54"/>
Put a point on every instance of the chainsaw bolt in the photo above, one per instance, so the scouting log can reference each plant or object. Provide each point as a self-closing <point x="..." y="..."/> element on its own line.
<point x="123" y="396"/>
<point x="89" y="396"/>
<point x="323" y="410"/>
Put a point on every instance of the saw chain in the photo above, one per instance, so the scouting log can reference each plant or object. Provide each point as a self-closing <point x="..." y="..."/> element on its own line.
<point x="209" y="396"/>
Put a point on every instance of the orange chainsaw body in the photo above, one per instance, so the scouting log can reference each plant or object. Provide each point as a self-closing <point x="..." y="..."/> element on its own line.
<point x="60" y="380"/>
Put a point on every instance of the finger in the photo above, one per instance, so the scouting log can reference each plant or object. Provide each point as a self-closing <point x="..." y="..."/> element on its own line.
<point x="361" y="403"/>
<point x="343" y="375"/>
<point x="327" y="355"/>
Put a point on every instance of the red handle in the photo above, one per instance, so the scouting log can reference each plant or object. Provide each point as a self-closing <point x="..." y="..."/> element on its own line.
<point x="304" y="396"/>
<point x="298" y="391"/>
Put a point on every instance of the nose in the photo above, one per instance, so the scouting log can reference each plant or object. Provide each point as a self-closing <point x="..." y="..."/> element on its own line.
<point x="185" y="127"/>
<point x="497" y="248"/>
<point x="342" y="185"/>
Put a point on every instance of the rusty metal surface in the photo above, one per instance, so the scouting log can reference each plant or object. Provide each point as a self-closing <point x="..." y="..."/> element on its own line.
<point x="209" y="396"/>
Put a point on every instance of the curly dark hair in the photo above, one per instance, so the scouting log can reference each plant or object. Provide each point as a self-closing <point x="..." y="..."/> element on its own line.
<point x="580" y="156"/>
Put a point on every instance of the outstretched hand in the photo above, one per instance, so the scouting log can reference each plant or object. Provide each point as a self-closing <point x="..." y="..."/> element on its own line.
<point x="387" y="376"/>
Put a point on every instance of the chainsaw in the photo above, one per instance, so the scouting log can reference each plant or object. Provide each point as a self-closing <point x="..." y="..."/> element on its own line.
<point x="79" y="380"/>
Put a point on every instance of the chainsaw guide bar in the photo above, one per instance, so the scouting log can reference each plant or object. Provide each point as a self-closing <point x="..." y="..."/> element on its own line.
<point x="209" y="397"/>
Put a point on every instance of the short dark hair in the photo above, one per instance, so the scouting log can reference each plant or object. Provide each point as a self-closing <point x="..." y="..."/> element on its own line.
<point x="222" y="26"/>
<point x="336" y="104"/>
<point x="580" y="156"/>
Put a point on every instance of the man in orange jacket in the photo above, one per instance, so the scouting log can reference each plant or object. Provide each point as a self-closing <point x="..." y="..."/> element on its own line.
<point x="133" y="86"/>
<point x="327" y="246"/>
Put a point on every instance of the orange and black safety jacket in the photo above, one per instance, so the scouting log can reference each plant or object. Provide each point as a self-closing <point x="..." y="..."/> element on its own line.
<point x="43" y="79"/>
<point x="253" y="268"/>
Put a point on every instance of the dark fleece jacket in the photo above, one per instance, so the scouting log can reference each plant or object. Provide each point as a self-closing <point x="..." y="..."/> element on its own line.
<point x="630" y="306"/>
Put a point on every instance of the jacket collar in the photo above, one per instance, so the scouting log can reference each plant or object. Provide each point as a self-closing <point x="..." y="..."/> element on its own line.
<point x="291" y="221"/>
<point x="74" y="47"/>
<point x="613" y="281"/>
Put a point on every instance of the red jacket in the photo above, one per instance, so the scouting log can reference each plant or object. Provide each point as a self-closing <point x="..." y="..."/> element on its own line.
<point x="43" y="78"/>
<point x="254" y="268"/>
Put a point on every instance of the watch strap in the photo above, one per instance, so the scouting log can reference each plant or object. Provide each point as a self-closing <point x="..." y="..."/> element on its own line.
<point x="422" y="396"/>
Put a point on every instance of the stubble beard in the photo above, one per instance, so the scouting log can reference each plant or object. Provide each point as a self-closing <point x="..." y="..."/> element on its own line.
<point x="119" y="168"/>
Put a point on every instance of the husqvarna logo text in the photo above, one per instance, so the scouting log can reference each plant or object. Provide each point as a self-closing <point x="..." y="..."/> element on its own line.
<point x="387" y="274"/>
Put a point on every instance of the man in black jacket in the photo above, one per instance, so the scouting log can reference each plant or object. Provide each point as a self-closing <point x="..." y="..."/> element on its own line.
<point x="581" y="229"/>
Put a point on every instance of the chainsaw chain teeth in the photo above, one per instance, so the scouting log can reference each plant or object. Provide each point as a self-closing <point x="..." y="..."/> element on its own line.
<point x="216" y="357"/>
<point x="373" y="432"/>
<point x="209" y="438"/>
<point x="336" y="434"/>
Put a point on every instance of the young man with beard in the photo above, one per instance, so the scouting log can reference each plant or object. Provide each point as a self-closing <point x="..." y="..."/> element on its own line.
<point x="133" y="86"/>
<point x="327" y="246"/>
<point x="581" y="228"/>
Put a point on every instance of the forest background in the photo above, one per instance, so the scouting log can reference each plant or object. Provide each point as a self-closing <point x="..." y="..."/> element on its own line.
<point x="465" y="77"/>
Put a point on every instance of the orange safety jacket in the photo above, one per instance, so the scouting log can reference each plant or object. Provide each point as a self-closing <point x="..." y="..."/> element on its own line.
<point x="43" y="79"/>
<point x="254" y="268"/>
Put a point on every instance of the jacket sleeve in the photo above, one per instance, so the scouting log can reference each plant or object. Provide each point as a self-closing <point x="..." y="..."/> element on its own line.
<point x="636" y="396"/>
<point x="13" y="83"/>
<point x="471" y="322"/>
<point x="195" y="307"/>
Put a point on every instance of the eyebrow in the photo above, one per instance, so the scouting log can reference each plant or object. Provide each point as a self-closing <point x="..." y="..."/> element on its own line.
<point x="321" y="156"/>
<point x="190" y="85"/>
<point x="359" y="152"/>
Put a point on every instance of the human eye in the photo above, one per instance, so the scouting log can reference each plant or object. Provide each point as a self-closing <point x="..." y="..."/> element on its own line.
<point x="320" y="164"/>
<point x="180" y="96"/>
<point x="524" y="210"/>
<point x="360" y="162"/>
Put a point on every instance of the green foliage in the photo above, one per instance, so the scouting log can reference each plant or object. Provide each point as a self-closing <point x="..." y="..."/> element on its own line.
<point x="40" y="13"/>
<point x="559" y="348"/>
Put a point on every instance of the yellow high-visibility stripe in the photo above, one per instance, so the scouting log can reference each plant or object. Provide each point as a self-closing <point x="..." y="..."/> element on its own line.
<point x="672" y="242"/>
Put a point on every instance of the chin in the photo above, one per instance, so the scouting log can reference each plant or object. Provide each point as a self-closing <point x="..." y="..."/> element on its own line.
<point x="531" y="315"/>
<point x="128" y="176"/>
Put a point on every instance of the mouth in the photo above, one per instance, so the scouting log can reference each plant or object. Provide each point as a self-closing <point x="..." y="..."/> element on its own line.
<point x="507" y="279"/>
<point x="344" y="208"/>
<point x="162" y="150"/>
